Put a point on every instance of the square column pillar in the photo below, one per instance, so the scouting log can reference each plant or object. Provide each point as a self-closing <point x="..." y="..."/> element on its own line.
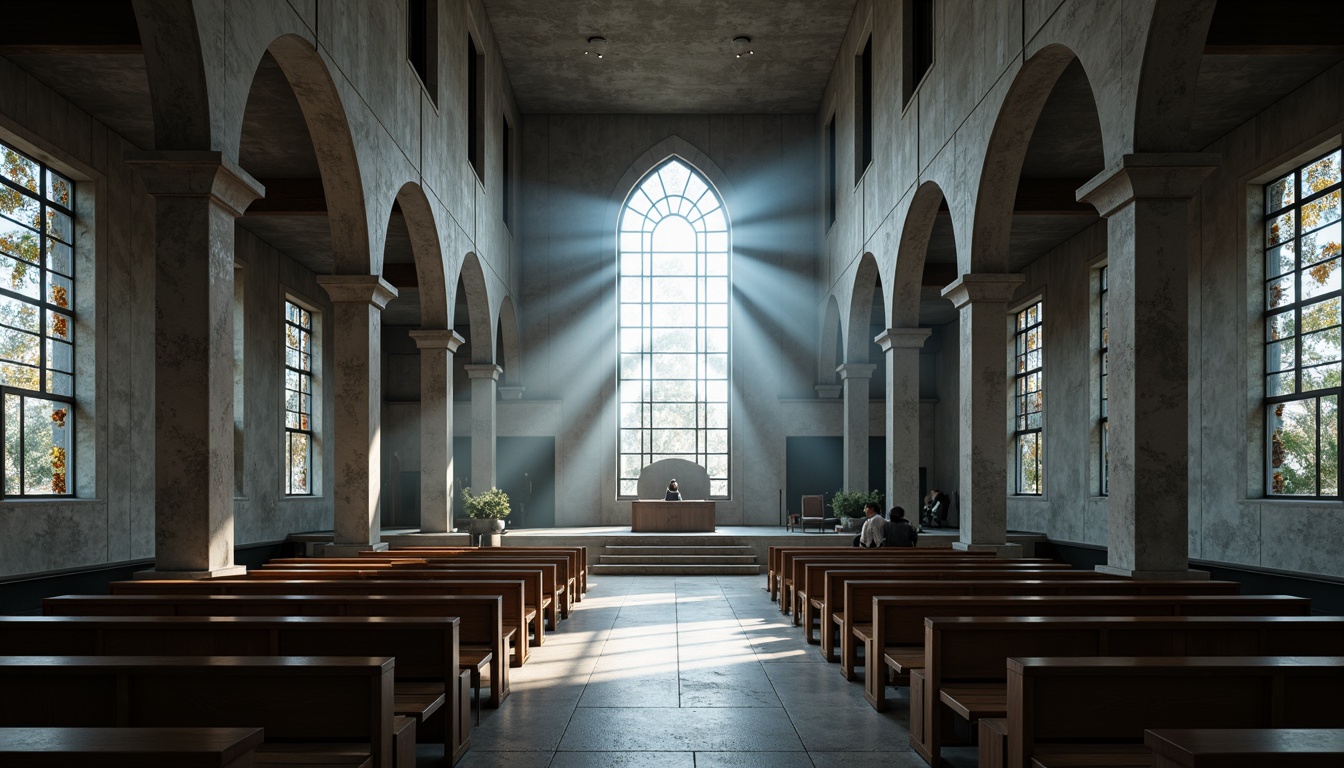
<point x="484" y="382"/>
<point x="436" y="427"/>
<point x="1150" y="233"/>
<point x="902" y="346"/>
<point x="197" y="197"/>
<point x="854" y="378"/>
<point x="982" y="300"/>
<point x="357" y="309"/>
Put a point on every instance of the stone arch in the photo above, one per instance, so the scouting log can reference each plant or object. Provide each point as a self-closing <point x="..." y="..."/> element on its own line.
<point x="830" y="350"/>
<point x="430" y="277"/>
<point x="911" y="253"/>
<point x="333" y="143"/>
<point x="1165" y="101"/>
<point x="471" y="278"/>
<point x="175" y="66"/>
<point x="867" y="284"/>
<point x="509" y="347"/>
<point x="672" y="146"/>
<point x="1007" y="148"/>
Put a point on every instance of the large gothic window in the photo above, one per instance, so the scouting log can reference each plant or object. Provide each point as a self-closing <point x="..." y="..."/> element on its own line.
<point x="674" y="358"/>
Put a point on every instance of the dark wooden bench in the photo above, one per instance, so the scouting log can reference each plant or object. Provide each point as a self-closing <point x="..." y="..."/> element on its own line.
<point x="517" y="616"/>
<point x="120" y="747"/>
<point x="775" y="556"/>
<point x="969" y="654"/>
<point x="481" y="631"/>
<point x="578" y="557"/>
<point x="856" y="622"/>
<point x="1246" y="747"/>
<point x="1057" y="705"/>
<point x="308" y="706"/>
<point x="569" y="563"/>
<point x="427" y="650"/>
<point x="785" y="573"/>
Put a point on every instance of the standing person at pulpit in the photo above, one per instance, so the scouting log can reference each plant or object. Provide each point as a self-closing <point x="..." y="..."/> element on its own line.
<point x="673" y="491"/>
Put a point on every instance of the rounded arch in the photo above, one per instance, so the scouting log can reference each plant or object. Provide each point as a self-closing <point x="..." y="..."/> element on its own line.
<point x="911" y="253"/>
<point x="333" y="144"/>
<point x="430" y="278"/>
<point x="1165" y="101"/>
<point x="471" y="279"/>
<point x="509" y="351"/>
<point x="1007" y="149"/>
<point x="829" y="348"/>
<point x="867" y="284"/>
<point x="175" y="66"/>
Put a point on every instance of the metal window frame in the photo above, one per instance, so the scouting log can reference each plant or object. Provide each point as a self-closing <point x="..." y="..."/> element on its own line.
<point x="289" y="431"/>
<point x="1020" y="352"/>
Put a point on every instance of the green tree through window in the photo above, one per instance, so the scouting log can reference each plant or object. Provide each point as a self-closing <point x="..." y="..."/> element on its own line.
<point x="37" y="326"/>
<point x="674" y="357"/>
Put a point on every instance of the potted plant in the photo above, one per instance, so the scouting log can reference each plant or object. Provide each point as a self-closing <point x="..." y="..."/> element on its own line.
<point x="848" y="506"/>
<point x="487" y="510"/>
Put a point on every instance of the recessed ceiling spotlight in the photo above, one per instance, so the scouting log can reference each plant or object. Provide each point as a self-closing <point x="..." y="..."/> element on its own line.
<point x="597" y="46"/>
<point x="742" y="46"/>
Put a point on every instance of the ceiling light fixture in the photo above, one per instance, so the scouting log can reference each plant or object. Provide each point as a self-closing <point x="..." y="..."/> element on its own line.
<point x="597" y="45"/>
<point x="742" y="46"/>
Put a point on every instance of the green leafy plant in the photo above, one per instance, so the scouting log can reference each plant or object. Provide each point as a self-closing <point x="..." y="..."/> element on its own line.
<point x="490" y="505"/>
<point x="851" y="503"/>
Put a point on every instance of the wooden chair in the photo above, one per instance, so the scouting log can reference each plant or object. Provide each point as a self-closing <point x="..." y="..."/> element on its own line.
<point x="814" y="511"/>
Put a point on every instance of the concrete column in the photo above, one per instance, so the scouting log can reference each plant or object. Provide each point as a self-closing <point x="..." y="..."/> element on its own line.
<point x="357" y="313"/>
<point x="902" y="346"/>
<point x="197" y="197"/>
<point x="1146" y="200"/>
<point x="484" y="382"/>
<point x="983" y="300"/>
<point x="854" y="378"/>
<point x="436" y="427"/>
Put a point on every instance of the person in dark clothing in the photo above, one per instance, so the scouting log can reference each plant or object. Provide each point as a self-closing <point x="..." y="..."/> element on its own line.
<point x="900" y="533"/>
<point x="934" y="513"/>
<point x="673" y="491"/>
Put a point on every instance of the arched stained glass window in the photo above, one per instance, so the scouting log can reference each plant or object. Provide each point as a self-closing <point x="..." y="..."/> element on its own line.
<point x="674" y="358"/>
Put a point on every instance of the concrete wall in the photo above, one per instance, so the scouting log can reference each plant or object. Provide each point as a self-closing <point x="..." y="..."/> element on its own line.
<point x="577" y="171"/>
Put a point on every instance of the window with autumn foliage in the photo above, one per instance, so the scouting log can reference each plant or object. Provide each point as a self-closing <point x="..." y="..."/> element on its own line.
<point x="1302" y="330"/>
<point x="37" y="326"/>
<point x="299" y="425"/>
<point x="1029" y="400"/>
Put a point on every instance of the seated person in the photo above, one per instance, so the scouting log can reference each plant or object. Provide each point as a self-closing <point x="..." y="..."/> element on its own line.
<point x="900" y="533"/>
<point x="934" y="513"/>
<point x="874" y="527"/>
<point x="673" y="491"/>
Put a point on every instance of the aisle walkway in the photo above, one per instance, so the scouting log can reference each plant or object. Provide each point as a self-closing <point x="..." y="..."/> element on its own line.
<point x="685" y="672"/>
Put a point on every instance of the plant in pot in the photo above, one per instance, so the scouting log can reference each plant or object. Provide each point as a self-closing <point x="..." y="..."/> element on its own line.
<point x="848" y="506"/>
<point x="487" y="510"/>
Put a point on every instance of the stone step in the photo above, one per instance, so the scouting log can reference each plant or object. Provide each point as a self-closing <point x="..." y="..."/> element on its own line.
<point x="675" y="570"/>
<point x="617" y="549"/>
<point x="661" y="559"/>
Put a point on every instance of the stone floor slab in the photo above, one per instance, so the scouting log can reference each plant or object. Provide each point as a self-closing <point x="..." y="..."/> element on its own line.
<point x="690" y="729"/>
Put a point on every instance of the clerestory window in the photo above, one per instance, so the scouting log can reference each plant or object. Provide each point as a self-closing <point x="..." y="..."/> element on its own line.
<point x="673" y="251"/>
<point x="37" y="326"/>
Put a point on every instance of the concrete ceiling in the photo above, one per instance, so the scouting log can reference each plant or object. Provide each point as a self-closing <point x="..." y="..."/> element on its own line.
<point x="669" y="56"/>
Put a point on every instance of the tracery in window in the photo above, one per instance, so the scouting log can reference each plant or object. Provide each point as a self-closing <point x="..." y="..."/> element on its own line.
<point x="674" y="326"/>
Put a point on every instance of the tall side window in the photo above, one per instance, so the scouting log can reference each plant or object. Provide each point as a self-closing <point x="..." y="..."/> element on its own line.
<point x="422" y="43"/>
<point x="1302" y="330"/>
<point x="918" y="50"/>
<point x="299" y="421"/>
<point x="1029" y="399"/>
<point x="830" y="172"/>
<point x="863" y="110"/>
<point x="37" y="326"/>
<point x="475" y="108"/>
<point x="1103" y="391"/>
<point x="674" y="250"/>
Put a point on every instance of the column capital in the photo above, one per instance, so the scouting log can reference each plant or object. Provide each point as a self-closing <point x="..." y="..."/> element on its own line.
<point x="196" y="174"/>
<point x="437" y="338"/>
<point x="1156" y="175"/>
<point x="511" y="392"/>
<point x="855" y="370"/>
<point x="902" y="338"/>
<point x="483" y="371"/>
<point x="829" y="391"/>
<point x="367" y="289"/>
<point x="983" y="287"/>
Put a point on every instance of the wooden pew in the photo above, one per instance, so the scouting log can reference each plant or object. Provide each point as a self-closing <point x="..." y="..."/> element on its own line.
<point x="856" y="621"/>
<point x="971" y="653"/>
<point x="516" y="614"/>
<point x="315" y="700"/>
<point x="1245" y="747"/>
<point x="1058" y="707"/>
<point x="785" y="574"/>
<point x="775" y="557"/>
<point x="481" y="630"/>
<point x="578" y="557"/>
<point x="118" y="747"/>
<point x="427" y="650"/>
